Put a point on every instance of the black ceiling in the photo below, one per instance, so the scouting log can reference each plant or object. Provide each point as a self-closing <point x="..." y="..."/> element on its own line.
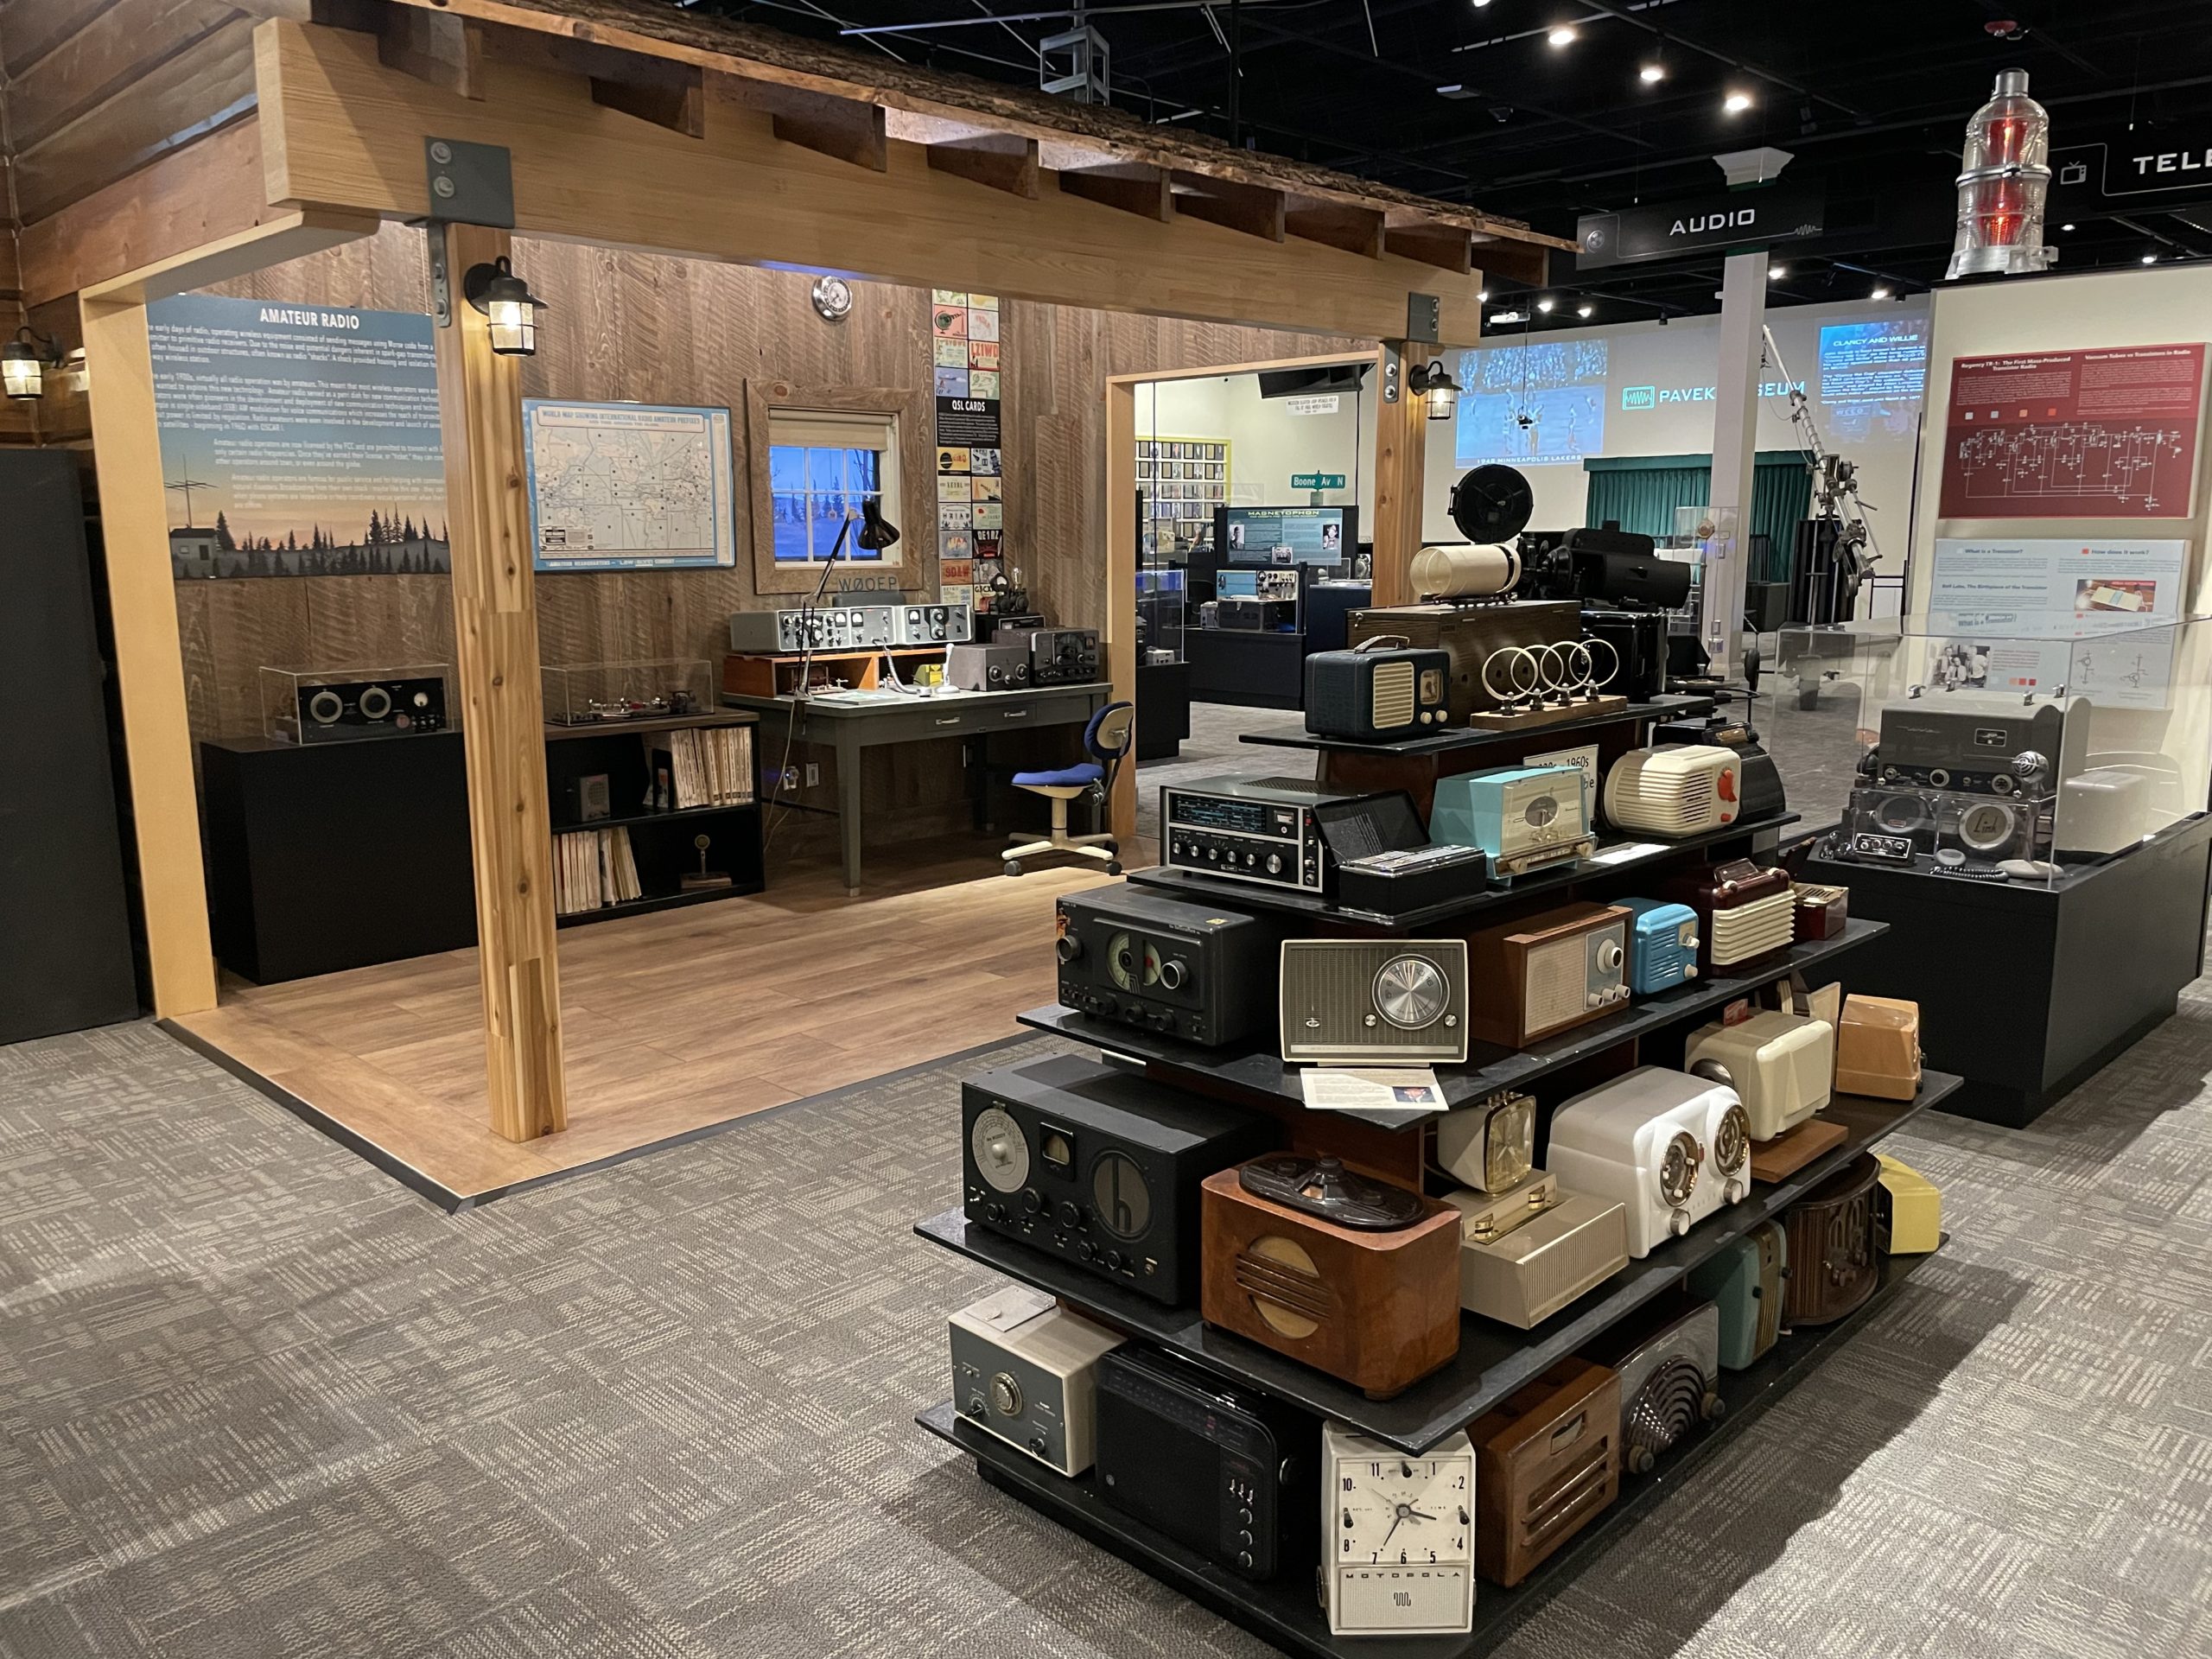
<point x="1472" y="102"/>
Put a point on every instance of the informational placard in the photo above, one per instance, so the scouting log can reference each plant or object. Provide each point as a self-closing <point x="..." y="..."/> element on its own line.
<point x="1287" y="535"/>
<point x="2027" y="616"/>
<point x="2106" y="434"/>
<point x="297" y="440"/>
<point x="1759" y="217"/>
<point x="629" y="486"/>
<point x="1319" y="402"/>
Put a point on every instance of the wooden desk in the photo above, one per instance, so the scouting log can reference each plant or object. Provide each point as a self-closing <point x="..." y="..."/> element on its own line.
<point x="849" y="727"/>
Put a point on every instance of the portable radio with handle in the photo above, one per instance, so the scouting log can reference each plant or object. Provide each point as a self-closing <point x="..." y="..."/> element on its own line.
<point x="1379" y="690"/>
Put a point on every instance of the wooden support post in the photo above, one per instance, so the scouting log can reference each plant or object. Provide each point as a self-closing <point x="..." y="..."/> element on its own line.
<point x="149" y="657"/>
<point x="1400" y="457"/>
<point x="503" y="723"/>
<point x="1120" y="640"/>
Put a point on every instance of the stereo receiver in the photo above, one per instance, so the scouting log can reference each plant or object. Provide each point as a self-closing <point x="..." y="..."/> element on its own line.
<point x="1281" y="831"/>
<point x="1096" y="1165"/>
<point x="1189" y="970"/>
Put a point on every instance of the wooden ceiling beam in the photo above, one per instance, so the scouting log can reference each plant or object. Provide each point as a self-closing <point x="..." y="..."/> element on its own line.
<point x="839" y="128"/>
<point x="667" y="95"/>
<point x="1356" y="229"/>
<point x="1132" y="187"/>
<point x="1444" y="246"/>
<point x="1523" y="262"/>
<point x="1000" y="160"/>
<point x="1246" y="207"/>
<point x="437" y="48"/>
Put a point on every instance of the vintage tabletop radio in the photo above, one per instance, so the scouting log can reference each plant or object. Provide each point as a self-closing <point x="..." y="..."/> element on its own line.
<point x="1672" y="1147"/>
<point x="1781" y="1065"/>
<point x="1401" y="1556"/>
<point x="1669" y="1367"/>
<point x="997" y="667"/>
<point x="1250" y="614"/>
<point x="1834" y="1266"/>
<point x="1281" y="832"/>
<point x="1377" y="692"/>
<point x="1822" y="910"/>
<point x="1355" y="1277"/>
<point x="1877" y="1047"/>
<point x="1547" y="973"/>
<point x="1062" y="656"/>
<point x="1525" y="817"/>
<point x="1682" y="789"/>
<point x="1743" y="1280"/>
<point x="1225" y="1470"/>
<point x="2103" y="809"/>
<point x="1193" y="971"/>
<point x="1373" y="1001"/>
<point x="1490" y="1145"/>
<point x="1027" y="1368"/>
<point x="1662" y="945"/>
<point x="1529" y="1250"/>
<point x="997" y="625"/>
<point x="1096" y="1165"/>
<point x="1983" y="743"/>
<point x="1908" y="1210"/>
<point x="813" y="627"/>
<point x="1745" y="911"/>
<point x="340" y="711"/>
<point x="933" y="625"/>
<point x="1548" y="1460"/>
<point x="1471" y="634"/>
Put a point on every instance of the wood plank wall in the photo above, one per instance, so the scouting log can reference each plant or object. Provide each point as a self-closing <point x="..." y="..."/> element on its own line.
<point x="667" y="330"/>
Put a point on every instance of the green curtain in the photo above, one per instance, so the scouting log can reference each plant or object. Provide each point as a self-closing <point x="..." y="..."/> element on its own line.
<point x="1642" y="491"/>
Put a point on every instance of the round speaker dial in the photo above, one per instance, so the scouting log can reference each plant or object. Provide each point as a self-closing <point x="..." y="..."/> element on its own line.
<point x="1542" y="810"/>
<point x="1151" y="963"/>
<point x="324" y="707"/>
<point x="1121" y="961"/>
<point x="1000" y="1152"/>
<point x="1733" y="1144"/>
<point x="1986" y="827"/>
<point x="1119" y="1197"/>
<point x="376" y="704"/>
<point x="1411" y="992"/>
<point x="1670" y="1403"/>
<point x="1902" y="814"/>
<point x="1678" y="1170"/>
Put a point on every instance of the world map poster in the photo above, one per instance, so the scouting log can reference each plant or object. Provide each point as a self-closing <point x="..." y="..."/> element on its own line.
<point x="629" y="486"/>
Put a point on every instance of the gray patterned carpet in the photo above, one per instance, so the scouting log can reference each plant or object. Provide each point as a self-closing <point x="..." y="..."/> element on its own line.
<point x="259" y="1400"/>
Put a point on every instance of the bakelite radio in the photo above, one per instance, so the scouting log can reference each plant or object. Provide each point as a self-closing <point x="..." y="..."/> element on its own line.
<point x="1781" y="1065"/>
<point x="1877" y="1047"/>
<point x="1743" y="1280"/>
<point x="1676" y="790"/>
<point x="1833" y="1266"/>
<point x="1671" y="1147"/>
<point x="1548" y="1460"/>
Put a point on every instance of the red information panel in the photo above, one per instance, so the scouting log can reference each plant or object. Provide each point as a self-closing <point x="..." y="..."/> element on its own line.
<point x="2074" y="435"/>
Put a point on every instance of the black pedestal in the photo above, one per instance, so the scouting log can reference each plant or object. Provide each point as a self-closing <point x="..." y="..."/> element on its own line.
<point x="1248" y="668"/>
<point x="1163" y="710"/>
<point x="2027" y="990"/>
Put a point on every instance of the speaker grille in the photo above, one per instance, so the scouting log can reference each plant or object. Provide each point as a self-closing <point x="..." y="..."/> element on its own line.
<point x="1393" y="693"/>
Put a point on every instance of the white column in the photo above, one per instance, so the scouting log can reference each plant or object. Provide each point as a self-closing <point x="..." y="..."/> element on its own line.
<point x="1735" y="444"/>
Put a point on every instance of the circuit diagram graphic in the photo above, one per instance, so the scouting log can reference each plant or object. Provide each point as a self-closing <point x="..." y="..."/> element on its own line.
<point x="2143" y="466"/>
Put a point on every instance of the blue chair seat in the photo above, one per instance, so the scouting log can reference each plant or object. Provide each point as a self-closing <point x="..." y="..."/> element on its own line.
<point x="1064" y="778"/>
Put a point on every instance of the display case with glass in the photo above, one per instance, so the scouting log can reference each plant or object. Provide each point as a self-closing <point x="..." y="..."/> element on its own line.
<point x="2017" y="751"/>
<point x="341" y="705"/>
<point x="1160" y="612"/>
<point x="591" y="694"/>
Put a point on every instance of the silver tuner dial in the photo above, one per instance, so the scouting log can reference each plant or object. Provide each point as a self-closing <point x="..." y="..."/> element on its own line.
<point x="1006" y="1395"/>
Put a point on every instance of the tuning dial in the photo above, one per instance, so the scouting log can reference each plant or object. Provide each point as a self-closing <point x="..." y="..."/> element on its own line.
<point x="1172" y="972"/>
<point x="1609" y="955"/>
<point x="1006" y="1395"/>
<point x="1274" y="863"/>
<point x="1069" y="947"/>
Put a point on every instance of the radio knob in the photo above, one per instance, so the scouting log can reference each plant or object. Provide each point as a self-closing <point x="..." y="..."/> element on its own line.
<point x="1609" y="955"/>
<point x="995" y="1213"/>
<point x="1069" y="947"/>
<point x="1243" y="1517"/>
<point x="1243" y="1558"/>
<point x="1251" y="859"/>
<point x="1036" y="1445"/>
<point x="1174" y="970"/>
<point x="1086" y="1249"/>
<point x="1006" y="1395"/>
<point x="975" y="1404"/>
<point x="1069" y="1212"/>
<point x="1033" y="1200"/>
<point x="1592" y="999"/>
<point x="1245" y="1538"/>
<point x="1213" y="854"/>
<point x="1274" y="863"/>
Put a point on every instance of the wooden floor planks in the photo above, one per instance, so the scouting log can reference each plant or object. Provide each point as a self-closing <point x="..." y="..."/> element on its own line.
<point x="671" y="1023"/>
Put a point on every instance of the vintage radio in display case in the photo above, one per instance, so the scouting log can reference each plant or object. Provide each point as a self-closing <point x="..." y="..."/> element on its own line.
<point x="1356" y="1277"/>
<point x="1547" y="973"/>
<point x="1225" y="1470"/>
<point x="1026" y="1370"/>
<point x="1378" y="692"/>
<point x="1097" y="1165"/>
<point x="1490" y="1145"/>
<point x="1908" y="1210"/>
<point x="1672" y="1147"/>
<point x="1989" y="829"/>
<point x="1469" y="634"/>
<point x="1548" y="1460"/>
<point x="1530" y="1250"/>
<point x="352" y="705"/>
<point x="1678" y="790"/>
<point x="1822" y="910"/>
<point x="1375" y="1001"/>
<point x="1877" y="1047"/>
<point x="1669" y="1368"/>
<point x="988" y="668"/>
<point x="1401" y="1560"/>
<point x="1194" y="971"/>
<point x="1281" y="832"/>
<point x="1891" y="826"/>
<point x="1743" y="1280"/>
<point x="1662" y="945"/>
<point x="1744" y="912"/>
<point x="1248" y="613"/>
<point x="1983" y="743"/>
<point x="1525" y="817"/>
<point x="1834" y="1266"/>
<point x="1781" y="1065"/>
<point x="2103" y="809"/>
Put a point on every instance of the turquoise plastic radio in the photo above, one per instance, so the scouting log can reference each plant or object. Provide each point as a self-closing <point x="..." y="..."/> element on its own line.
<point x="1662" y="945"/>
<point x="1525" y="817"/>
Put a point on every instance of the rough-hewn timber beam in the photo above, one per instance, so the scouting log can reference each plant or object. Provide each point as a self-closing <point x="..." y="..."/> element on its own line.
<point x="1239" y="206"/>
<point x="998" y="159"/>
<point x="1356" y="229"/>
<point x="1141" y="190"/>
<point x="839" y="128"/>
<point x="436" y="48"/>
<point x="1444" y="246"/>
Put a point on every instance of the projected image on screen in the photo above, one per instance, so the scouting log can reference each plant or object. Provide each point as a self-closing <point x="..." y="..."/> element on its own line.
<point x="1532" y="404"/>
<point x="1873" y="376"/>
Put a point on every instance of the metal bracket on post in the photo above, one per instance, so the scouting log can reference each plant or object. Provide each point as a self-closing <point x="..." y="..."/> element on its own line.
<point x="1424" y="319"/>
<point x="1393" y="373"/>
<point x="469" y="184"/>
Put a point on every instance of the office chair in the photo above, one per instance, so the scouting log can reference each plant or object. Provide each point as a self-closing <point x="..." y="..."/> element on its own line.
<point x="1106" y="740"/>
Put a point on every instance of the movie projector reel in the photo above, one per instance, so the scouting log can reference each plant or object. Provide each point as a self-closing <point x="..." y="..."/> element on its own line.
<point x="1490" y="505"/>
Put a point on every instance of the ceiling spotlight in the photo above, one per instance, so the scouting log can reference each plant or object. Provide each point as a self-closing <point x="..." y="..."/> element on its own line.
<point x="1479" y="4"/>
<point x="1880" y="293"/>
<point x="1545" y="306"/>
<point x="1563" y="36"/>
<point x="1481" y="296"/>
<point x="2150" y="258"/>
<point x="1584" y="310"/>
<point x="1737" y="103"/>
<point x="1775" y="273"/>
<point x="2066" y="227"/>
<point x="1651" y="74"/>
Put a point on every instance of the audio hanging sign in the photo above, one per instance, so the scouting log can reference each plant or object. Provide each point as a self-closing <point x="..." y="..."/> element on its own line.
<point x="1730" y="219"/>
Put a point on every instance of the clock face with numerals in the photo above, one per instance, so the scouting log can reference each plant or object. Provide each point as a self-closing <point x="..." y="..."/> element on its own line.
<point x="1401" y="1535"/>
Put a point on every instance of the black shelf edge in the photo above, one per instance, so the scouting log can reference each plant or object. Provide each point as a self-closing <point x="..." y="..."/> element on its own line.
<point x="1494" y="1359"/>
<point x="556" y="731"/>
<point x="1474" y="737"/>
<point x="1284" y="1611"/>
<point x="1259" y="895"/>
<point x="662" y="901"/>
<point x="1489" y="1068"/>
<point x="625" y="820"/>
